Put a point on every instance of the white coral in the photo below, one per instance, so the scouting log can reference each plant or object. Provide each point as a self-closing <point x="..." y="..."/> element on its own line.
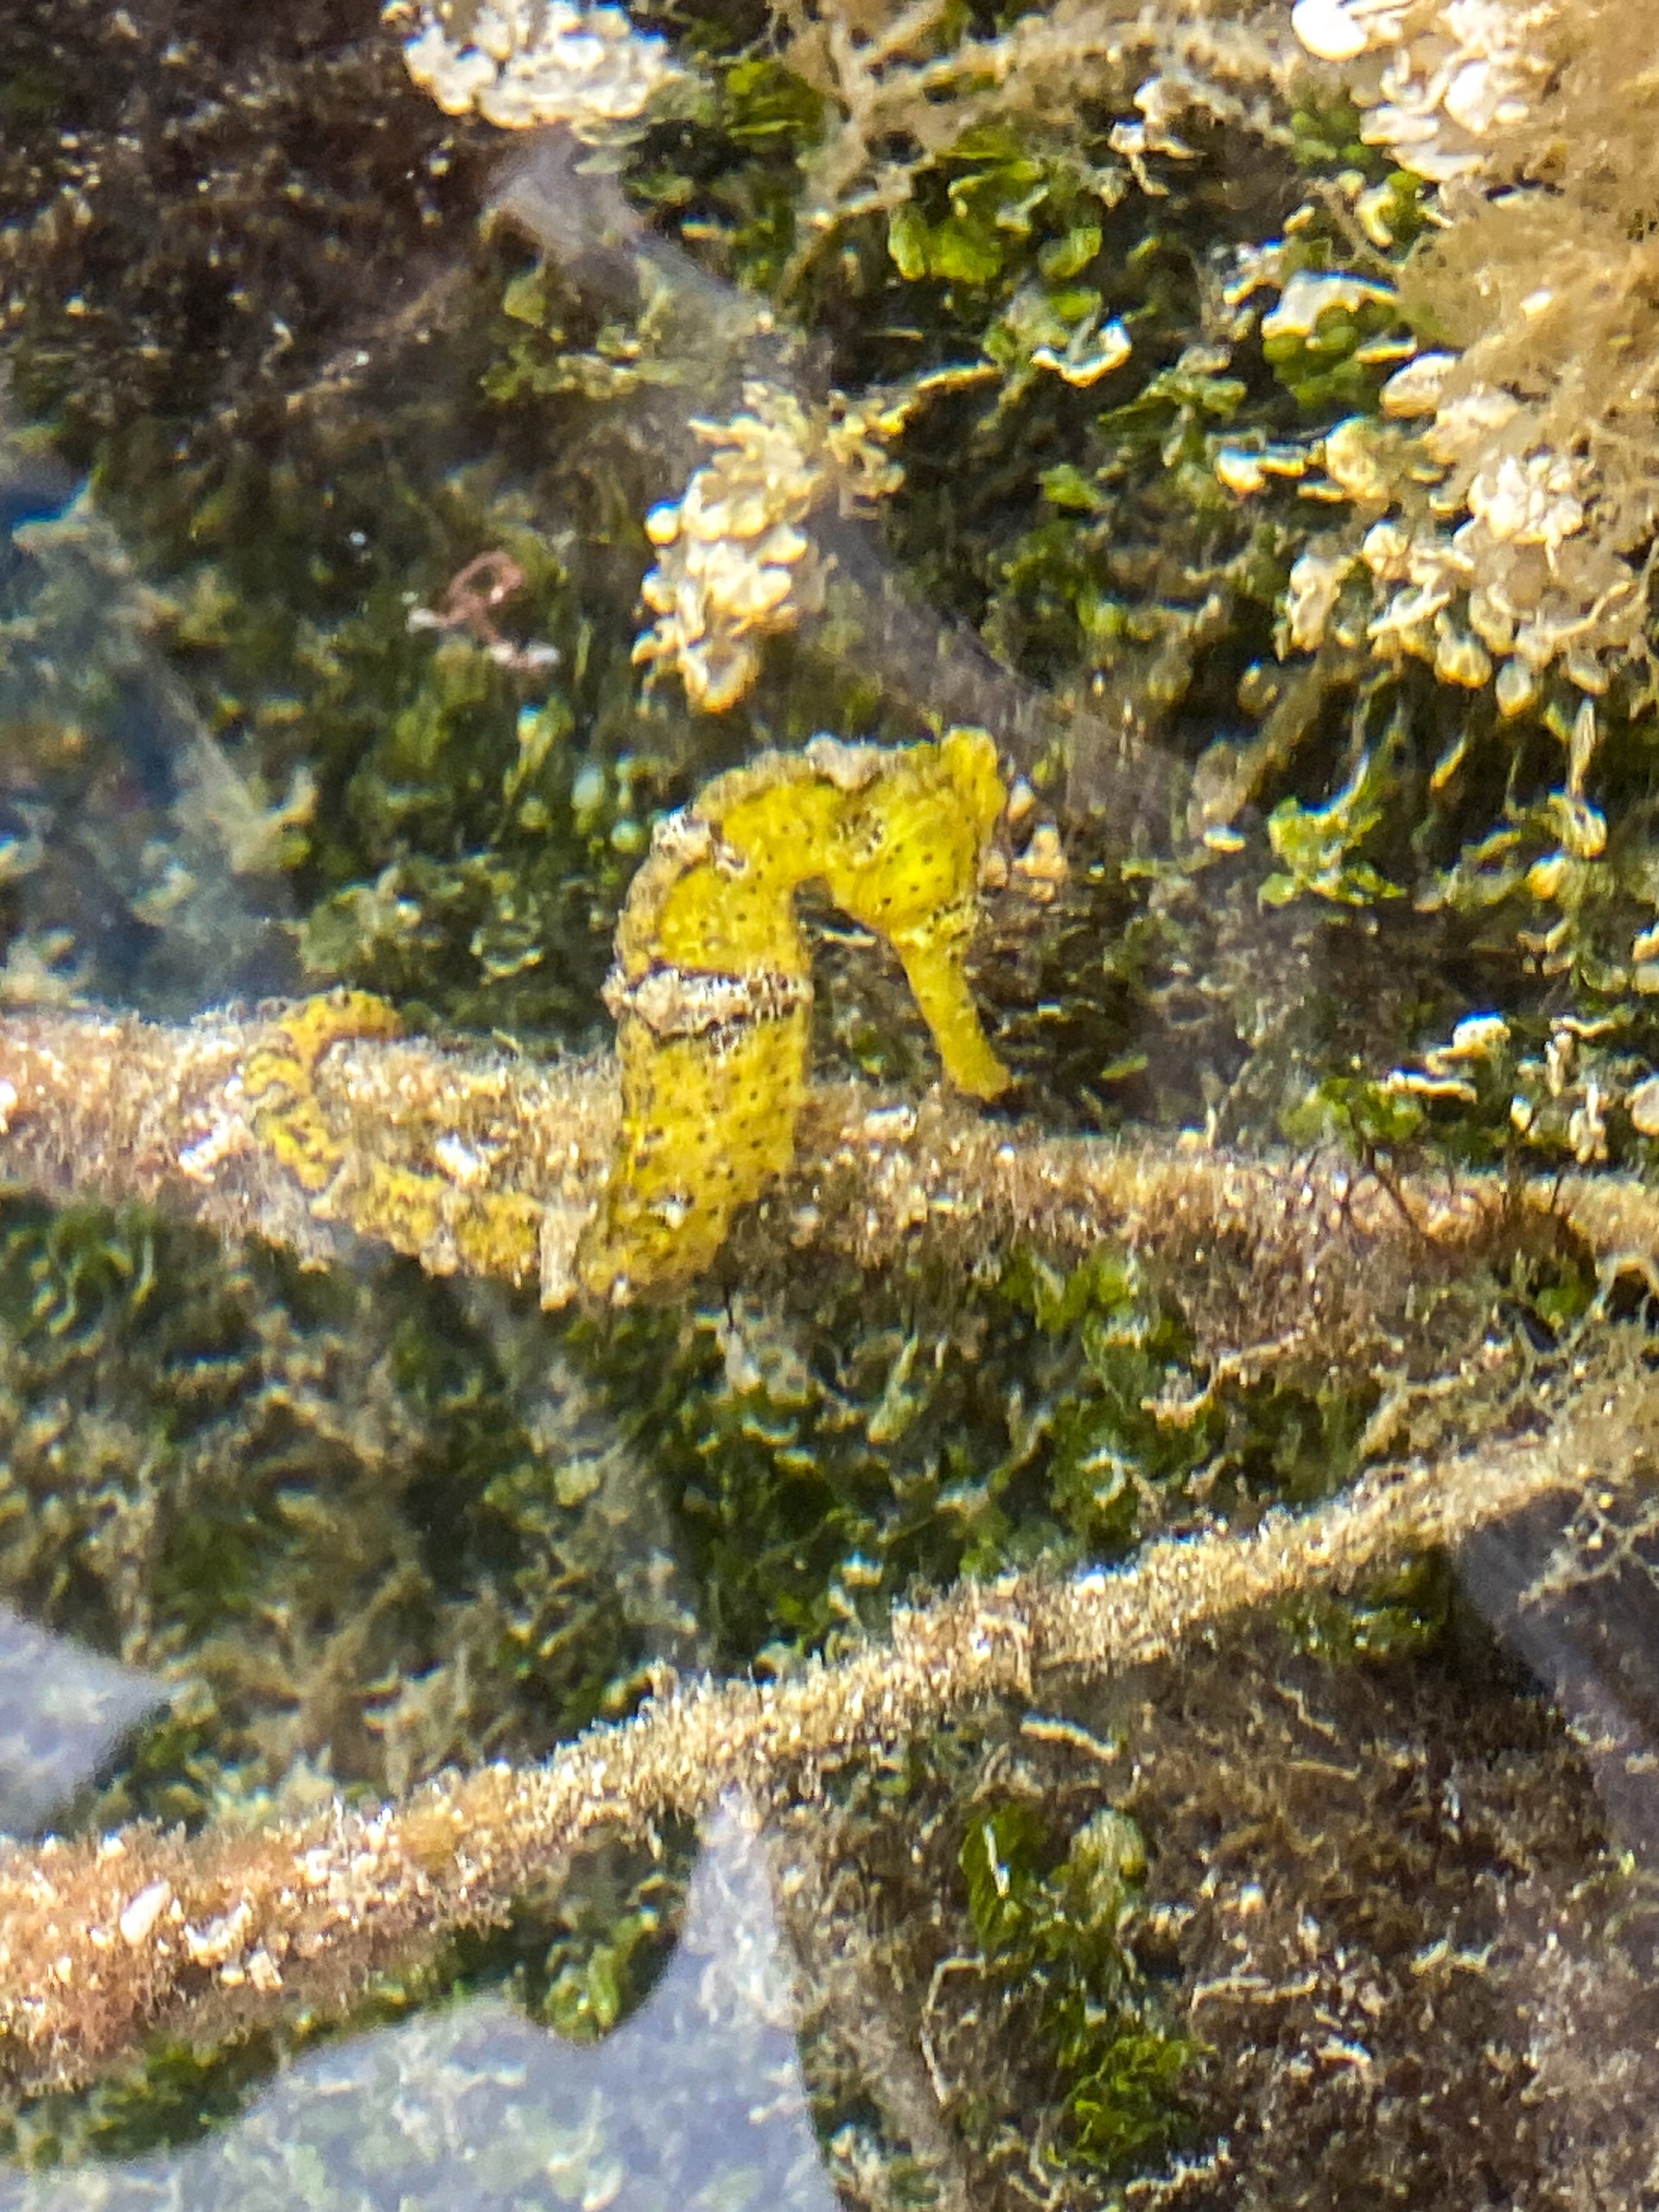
<point x="733" y="564"/>
<point x="1416" y="388"/>
<point x="1502" y="567"/>
<point x="1531" y="502"/>
<point x="1315" y="583"/>
<point x="1448" y="77"/>
<point x="530" y="62"/>
<point x="1310" y="293"/>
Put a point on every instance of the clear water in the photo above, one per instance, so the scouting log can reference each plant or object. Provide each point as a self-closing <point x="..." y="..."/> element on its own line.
<point x="1348" y="1902"/>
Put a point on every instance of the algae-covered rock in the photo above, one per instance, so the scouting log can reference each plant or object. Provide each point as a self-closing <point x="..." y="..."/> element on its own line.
<point x="1243" y="417"/>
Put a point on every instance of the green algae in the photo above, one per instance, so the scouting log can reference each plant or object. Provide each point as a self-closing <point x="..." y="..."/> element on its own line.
<point x="372" y="1523"/>
<point x="1053" y="1935"/>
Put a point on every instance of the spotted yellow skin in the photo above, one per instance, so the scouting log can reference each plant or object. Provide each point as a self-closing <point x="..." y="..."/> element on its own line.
<point x="704" y="1131"/>
<point x="277" y="1081"/>
<point x="484" y="1233"/>
<point x="713" y="989"/>
<point x="444" y="1223"/>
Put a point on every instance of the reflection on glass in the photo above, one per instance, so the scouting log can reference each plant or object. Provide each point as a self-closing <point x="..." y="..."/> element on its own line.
<point x="695" y="2100"/>
<point x="64" y="1712"/>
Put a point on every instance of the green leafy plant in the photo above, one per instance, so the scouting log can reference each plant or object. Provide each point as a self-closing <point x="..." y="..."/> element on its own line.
<point x="1054" y="1937"/>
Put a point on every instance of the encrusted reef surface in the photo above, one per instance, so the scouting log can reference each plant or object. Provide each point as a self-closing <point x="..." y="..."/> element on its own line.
<point x="828" y="948"/>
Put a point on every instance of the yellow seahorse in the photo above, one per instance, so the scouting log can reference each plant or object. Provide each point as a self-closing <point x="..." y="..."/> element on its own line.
<point x="712" y="995"/>
<point x="712" y="988"/>
<point x="435" y="1210"/>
